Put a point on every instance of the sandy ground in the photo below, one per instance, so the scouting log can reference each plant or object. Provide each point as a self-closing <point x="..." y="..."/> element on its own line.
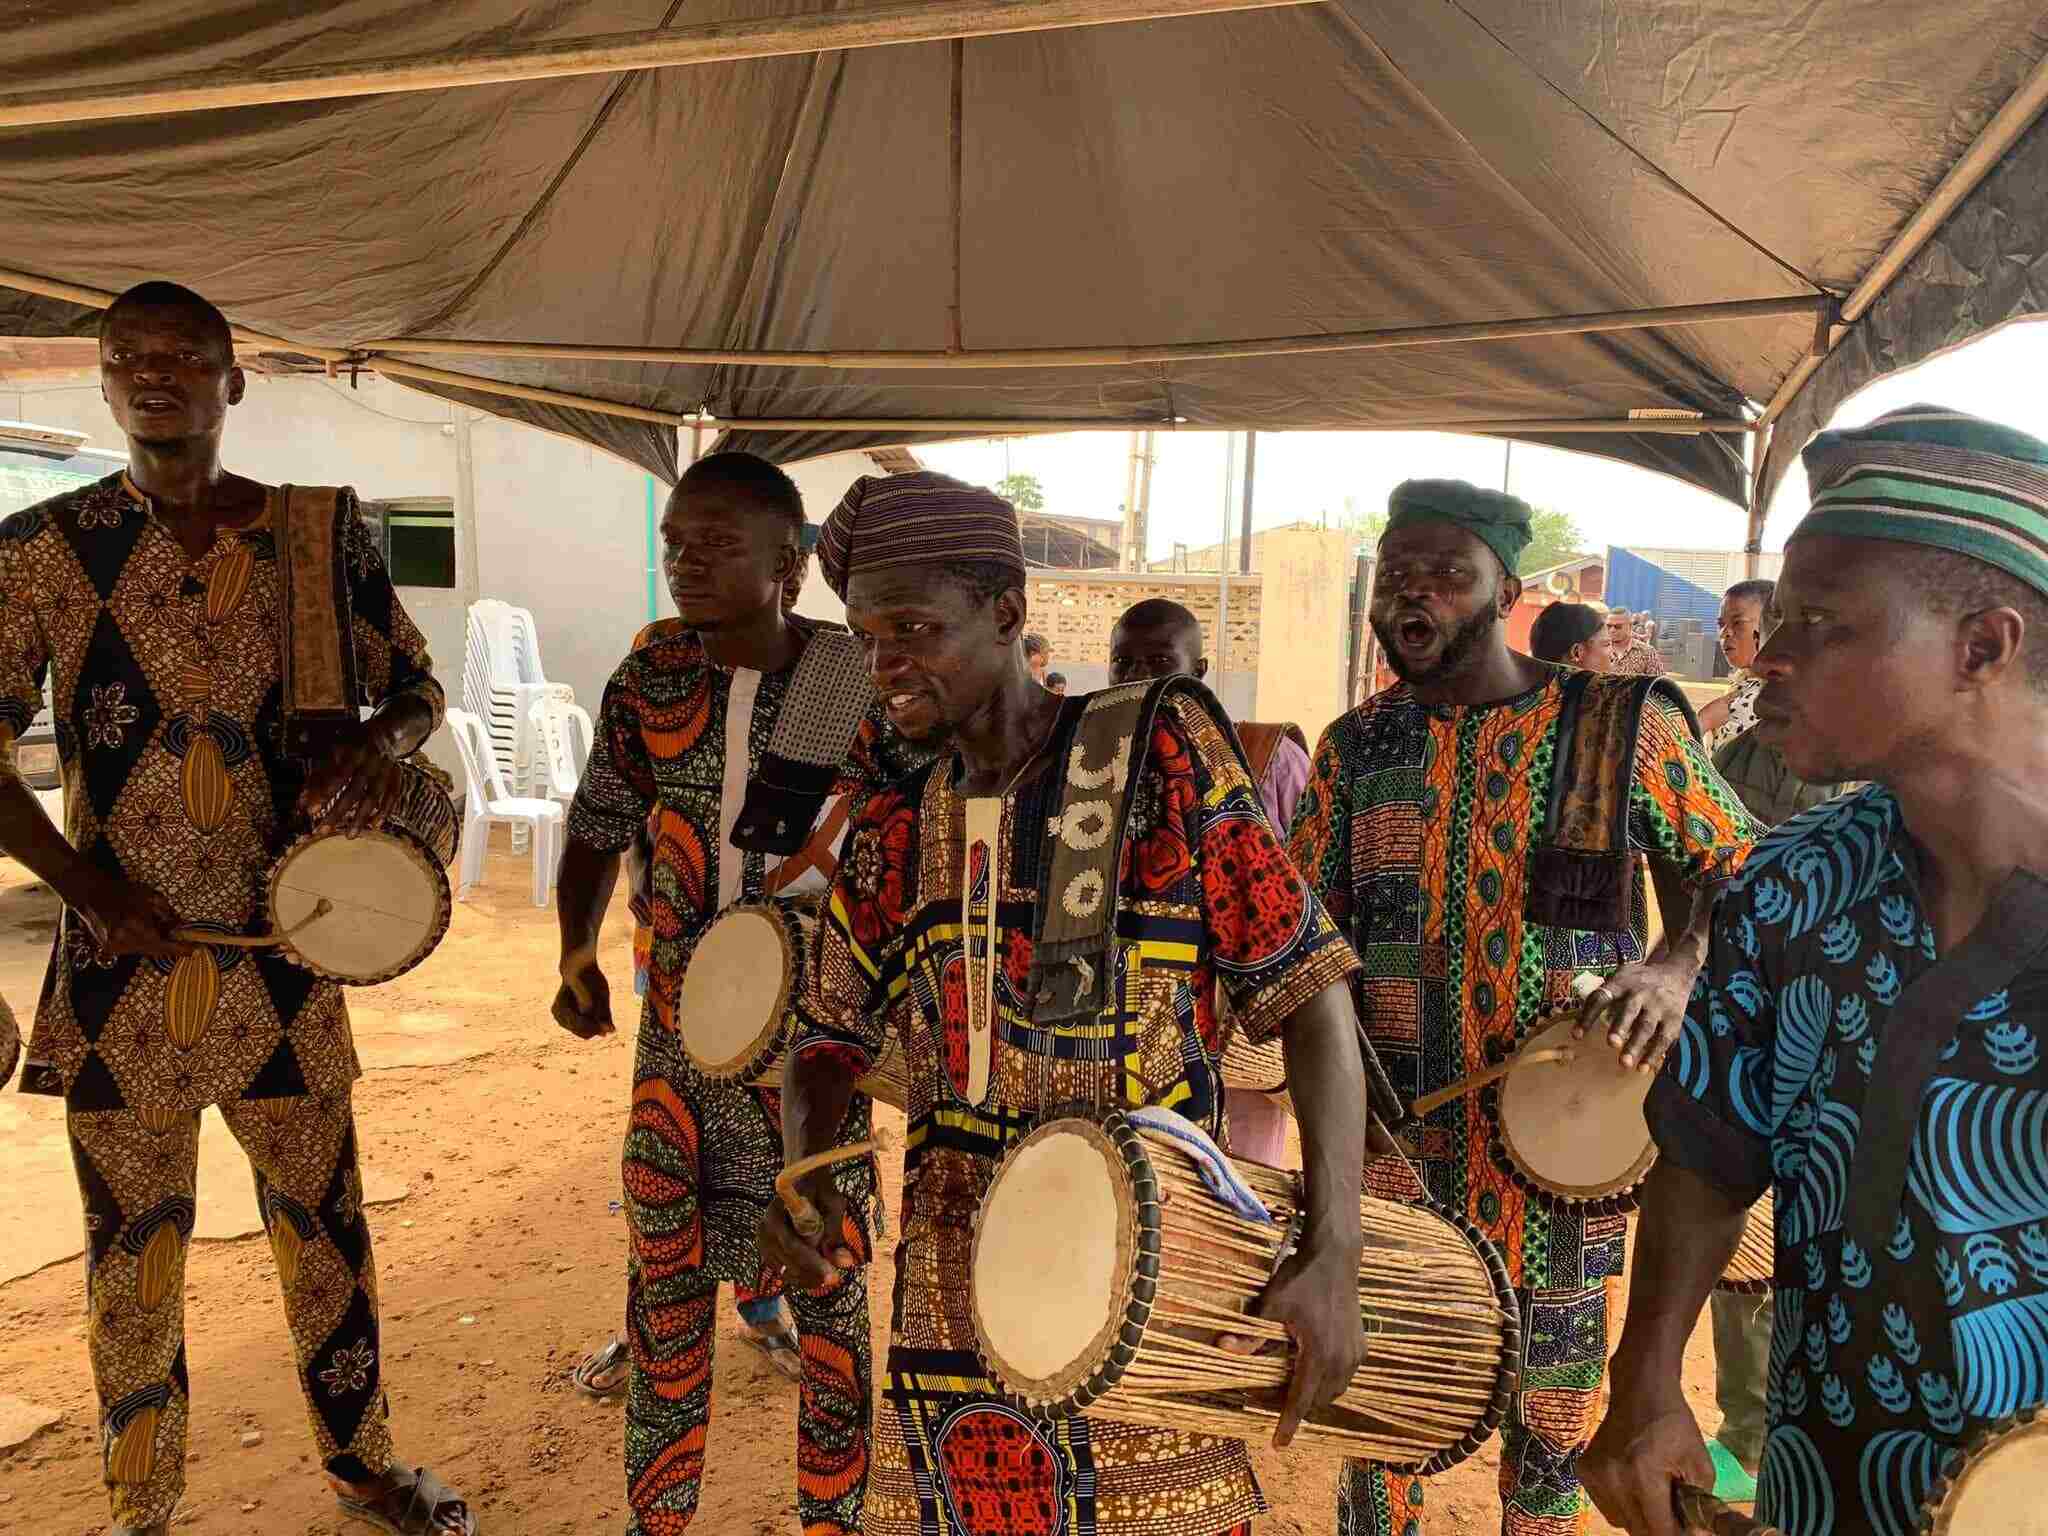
<point x="493" y="1139"/>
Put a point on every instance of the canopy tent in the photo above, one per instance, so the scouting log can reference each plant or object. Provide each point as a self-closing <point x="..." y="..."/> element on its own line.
<point x="1617" y="229"/>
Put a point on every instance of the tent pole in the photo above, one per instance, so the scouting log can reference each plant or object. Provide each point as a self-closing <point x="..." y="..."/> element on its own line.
<point x="1739" y="310"/>
<point x="955" y="342"/>
<point x="100" y="298"/>
<point x="1978" y="161"/>
<point x="1753" y="546"/>
<point x="714" y="42"/>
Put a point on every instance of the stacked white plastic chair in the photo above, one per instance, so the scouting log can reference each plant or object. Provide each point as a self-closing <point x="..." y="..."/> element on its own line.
<point x="502" y="679"/>
<point x="487" y="801"/>
<point x="562" y="731"/>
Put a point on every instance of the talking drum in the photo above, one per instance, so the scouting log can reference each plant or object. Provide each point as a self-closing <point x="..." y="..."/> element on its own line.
<point x="1153" y="1268"/>
<point x="1753" y="1266"/>
<point x="363" y="909"/>
<point x="733" y="1009"/>
<point x="1570" y="1118"/>
<point x="1996" y="1484"/>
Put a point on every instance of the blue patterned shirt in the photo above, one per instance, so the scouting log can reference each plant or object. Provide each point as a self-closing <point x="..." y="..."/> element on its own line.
<point x="1888" y="1354"/>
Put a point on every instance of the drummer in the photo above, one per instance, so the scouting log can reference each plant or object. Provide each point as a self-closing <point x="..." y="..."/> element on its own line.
<point x="1416" y="830"/>
<point x="683" y="724"/>
<point x="1866" y="1043"/>
<point x="1157" y="637"/>
<point x="151" y="601"/>
<point x="933" y="576"/>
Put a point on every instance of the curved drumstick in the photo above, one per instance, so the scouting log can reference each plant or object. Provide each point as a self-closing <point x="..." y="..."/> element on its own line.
<point x="254" y="940"/>
<point x="1474" y="1081"/>
<point x="1583" y="986"/>
<point x="803" y="1215"/>
<point x="1699" y="1511"/>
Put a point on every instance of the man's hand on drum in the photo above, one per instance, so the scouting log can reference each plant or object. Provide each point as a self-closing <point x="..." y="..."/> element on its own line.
<point x="1640" y="1008"/>
<point x="355" y="786"/>
<point x="1314" y="1295"/>
<point x="126" y="918"/>
<point x="1633" y="1461"/>
<point x="583" y="1004"/>
<point x="812" y="1264"/>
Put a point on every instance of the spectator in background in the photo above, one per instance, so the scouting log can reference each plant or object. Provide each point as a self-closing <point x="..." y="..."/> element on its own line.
<point x="1744" y="608"/>
<point x="1037" y="656"/>
<point x="1629" y="654"/>
<point x="1159" y="638"/>
<point x="1056" y="683"/>
<point x="1572" y="635"/>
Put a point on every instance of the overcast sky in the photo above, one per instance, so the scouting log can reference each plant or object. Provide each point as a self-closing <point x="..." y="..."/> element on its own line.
<point x="1309" y="474"/>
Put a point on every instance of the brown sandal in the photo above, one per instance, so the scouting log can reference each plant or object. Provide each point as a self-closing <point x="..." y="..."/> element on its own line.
<point x="428" y="1506"/>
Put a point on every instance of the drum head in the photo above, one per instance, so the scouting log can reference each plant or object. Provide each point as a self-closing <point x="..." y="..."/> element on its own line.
<point x="1998" y="1488"/>
<point x="1577" y="1128"/>
<point x="734" y="990"/>
<point x="389" y="900"/>
<point x="1053" y="1250"/>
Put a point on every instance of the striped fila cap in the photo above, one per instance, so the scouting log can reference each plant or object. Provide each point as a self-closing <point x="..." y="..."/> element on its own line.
<point x="1925" y="475"/>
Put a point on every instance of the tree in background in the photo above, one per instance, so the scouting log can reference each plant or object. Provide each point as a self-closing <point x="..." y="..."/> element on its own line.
<point x="1553" y="538"/>
<point x="1022" y="491"/>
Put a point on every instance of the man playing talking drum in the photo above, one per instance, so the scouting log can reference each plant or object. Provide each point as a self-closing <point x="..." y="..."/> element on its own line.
<point x="1478" y="829"/>
<point x="1866" y="1040"/>
<point x="154" y="601"/>
<point x="943" y="922"/>
<point x="690" y="723"/>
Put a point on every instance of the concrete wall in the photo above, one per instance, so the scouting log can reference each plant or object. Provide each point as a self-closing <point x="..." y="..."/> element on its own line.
<point x="541" y="521"/>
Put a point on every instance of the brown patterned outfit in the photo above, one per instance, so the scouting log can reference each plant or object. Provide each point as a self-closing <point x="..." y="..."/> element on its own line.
<point x="168" y="720"/>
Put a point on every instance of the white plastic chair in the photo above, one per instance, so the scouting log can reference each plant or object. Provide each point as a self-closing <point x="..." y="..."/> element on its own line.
<point x="487" y="803"/>
<point x="562" y="730"/>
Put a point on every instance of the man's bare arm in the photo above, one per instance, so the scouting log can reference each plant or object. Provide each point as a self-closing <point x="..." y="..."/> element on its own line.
<point x="817" y="1087"/>
<point x="1649" y="1439"/>
<point x="583" y="890"/>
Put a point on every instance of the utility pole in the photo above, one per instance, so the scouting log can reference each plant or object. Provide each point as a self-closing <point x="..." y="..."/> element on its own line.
<point x="1251" y="459"/>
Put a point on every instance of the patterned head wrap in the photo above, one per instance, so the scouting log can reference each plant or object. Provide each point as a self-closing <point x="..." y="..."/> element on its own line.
<point x="1496" y="519"/>
<point x="922" y="518"/>
<point x="1925" y="475"/>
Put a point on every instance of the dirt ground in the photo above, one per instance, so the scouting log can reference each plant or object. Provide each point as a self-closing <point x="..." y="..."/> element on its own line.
<point x="494" y="1139"/>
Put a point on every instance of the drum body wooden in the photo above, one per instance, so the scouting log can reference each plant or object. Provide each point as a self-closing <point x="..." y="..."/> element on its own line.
<point x="387" y="889"/>
<point x="1999" y="1486"/>
<point x="10" y="1043"/>
<point x="1573" y="1132"/>
<point x="732" y="1010"/>
<point x="1753" y="1268"/>
<point x="1151" y="1268"/>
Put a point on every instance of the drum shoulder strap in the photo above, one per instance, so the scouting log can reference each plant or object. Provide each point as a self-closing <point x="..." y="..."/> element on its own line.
<point x="1580" y="870"/>
<point x="806" y="753"/>
<point x="1261" y="739"/>
<point x="316" y="629"/>
<point x="1100" y="747"/>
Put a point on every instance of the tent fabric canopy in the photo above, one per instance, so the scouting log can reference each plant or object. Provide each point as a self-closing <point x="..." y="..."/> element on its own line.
<point x="1331" y="167"/>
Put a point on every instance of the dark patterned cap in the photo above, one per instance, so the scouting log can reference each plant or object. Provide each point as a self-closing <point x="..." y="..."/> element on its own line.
<point x="923" y="518"/>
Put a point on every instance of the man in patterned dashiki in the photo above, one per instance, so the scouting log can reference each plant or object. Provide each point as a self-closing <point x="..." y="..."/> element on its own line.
<point x="1628" y="653"/>
<point x="683" y="727"/>
<point x="933" y="575"/>
<point x="152" y="600"/>
<point x="1417" y="830"/>
<point x="1865" y="1043"/>
<point x="605" y="1370"/>
<point x="1158" y="638"/>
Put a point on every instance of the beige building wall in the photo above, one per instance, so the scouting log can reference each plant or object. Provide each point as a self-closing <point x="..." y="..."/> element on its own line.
<point x="1305" y="610"/>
